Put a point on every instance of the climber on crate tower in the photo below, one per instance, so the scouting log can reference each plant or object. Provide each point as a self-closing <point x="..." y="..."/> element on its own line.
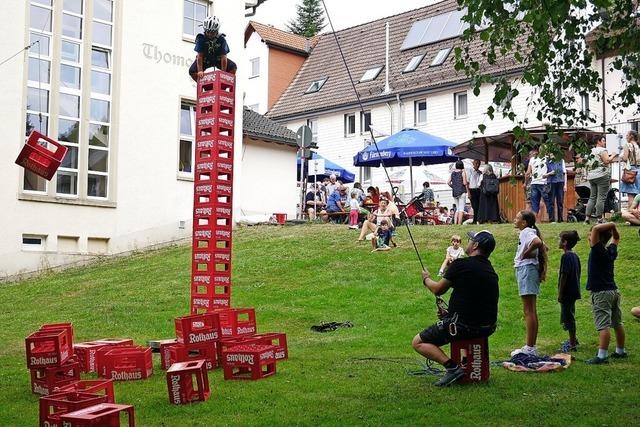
<point x="212" y="50"/>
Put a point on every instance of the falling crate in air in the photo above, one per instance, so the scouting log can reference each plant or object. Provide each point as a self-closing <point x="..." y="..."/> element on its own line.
<point x="37" y="158"/>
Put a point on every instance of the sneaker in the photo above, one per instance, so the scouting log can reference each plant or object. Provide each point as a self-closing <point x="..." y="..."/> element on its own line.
<point x="450" y="377"/>
<point x="531" y="351"/>
<point x="566" y="347"/>
<point x="353" y="227"/>
<point x="597" y="361"/>
<point x="616" y="355"/>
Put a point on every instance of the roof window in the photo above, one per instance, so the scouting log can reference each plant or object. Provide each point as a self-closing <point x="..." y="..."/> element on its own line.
<point x="440" y="57"/>
<point x="316" y="85"/>
<point x="413" y="63"/>
<point x="370" y="74"/>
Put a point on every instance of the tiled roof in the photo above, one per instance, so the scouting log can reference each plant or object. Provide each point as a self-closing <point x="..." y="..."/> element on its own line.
<point x="364" y="48"/>
<point x="278" y="38"/>
<point x="257" y="126"/>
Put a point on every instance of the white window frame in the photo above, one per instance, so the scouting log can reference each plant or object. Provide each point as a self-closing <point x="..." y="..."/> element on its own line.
<point x="362" y="121"/>
<point x="413" y="63"/>
<point x="206" y="4"/>
<point x="371" y="74"/>
<point x="456" y="105"/>
<point x="184" y="137"/>
<point x="347" y="118"/>
<point x="34" y="247"/>
<point x="254" y="63"/>
<point x="416" y="112"/>
<point x="313" y="125"/>
<point x="584" y="104"/>
<point x="316" y="85"/>
<point x="440" y="57"/>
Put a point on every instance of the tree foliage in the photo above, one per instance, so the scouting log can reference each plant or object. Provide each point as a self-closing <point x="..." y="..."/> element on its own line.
<point x="309" y="19"/>
<point x="556" y="43"/>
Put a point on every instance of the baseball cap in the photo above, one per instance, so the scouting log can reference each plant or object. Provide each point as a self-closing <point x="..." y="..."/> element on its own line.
<point x="485" y="240"/>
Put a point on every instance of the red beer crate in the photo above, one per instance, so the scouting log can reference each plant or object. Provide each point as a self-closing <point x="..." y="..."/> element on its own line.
<point x="227" y="343"/>
<point x="45" y="380"/>
<point x="203" y="351"/>
<point x="217" y="82"/>
<point x="201" y="305"/>
<point x="212" y="263"/>
<point x="38" y="158"/>
<point x="165" y="355"/>
<point x="115" y="341"/>
<point x="101" y="367"/>
<point x="196" y="329"/>
<point x="102" y="387"/>
<point x="188" y="382"/>
<point x="86" y="354"/>
<point x="249" y="362"/>
<point x="57" y="326"/>
<point x="49" y="347"/>
<point x="220" y="149"/>
<point x="210" y="103"/>
<point x="52" y="407"/>
<point x="236" y="322"/>
<point x="473" y="356"/>
<point x="210" y="188"/>
<point x="128" y="363"/>
<point x="100" y="415"/>
<point x="210" y="291"/>
<point x="276" y="339"/>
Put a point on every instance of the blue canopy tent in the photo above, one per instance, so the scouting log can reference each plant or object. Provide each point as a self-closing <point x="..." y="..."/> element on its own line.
<point x="409" y="147"/>
<point x="330" y="168"/>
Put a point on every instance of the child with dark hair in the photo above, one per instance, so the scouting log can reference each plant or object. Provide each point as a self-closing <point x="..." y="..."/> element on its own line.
<point x="530" y="263"/>
<point x="569" y="288"/>
<point x="605" y="298"/>
<point x="382" y="237"/>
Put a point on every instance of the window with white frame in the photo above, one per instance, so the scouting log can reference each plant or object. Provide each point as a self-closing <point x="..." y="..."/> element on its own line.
<point x="584" y="103"/>
<point x="440" y="57"/>
<point x="187" y="138"/>
<point x="349" y="124"/>
<point x="413" y="63"/>
<point x="195" y="11"/>
<point x="313" y="125"/>
<point x="38" y="81"/>
<point x="316" y="85"/>
<point x="420" y="112"/>
<point x="370" y="74"/>
<point x="254" y="67"/>
<point x="460" y="104"/>
<point x="366" y="173"/>
<point x="365" y="122"/>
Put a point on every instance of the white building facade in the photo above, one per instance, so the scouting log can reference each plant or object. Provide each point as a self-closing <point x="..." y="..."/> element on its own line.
<point x="257" y="89"/>
<point x="109" y="78"/>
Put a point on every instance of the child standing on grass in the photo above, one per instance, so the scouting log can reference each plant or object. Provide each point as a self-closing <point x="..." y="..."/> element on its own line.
<point x="454" y="252"/>
<point x="531" y="265"/>
<point x="569" y="288"/>
<point x="382" y="237"/>
<point x="605" y="298"/>
<point x="354" y="210"/>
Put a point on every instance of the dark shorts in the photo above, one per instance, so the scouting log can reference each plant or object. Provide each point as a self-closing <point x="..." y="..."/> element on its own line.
<point x="439" y="333"/>
<point x="568" y="315"/>
<point x="231" y="66"/>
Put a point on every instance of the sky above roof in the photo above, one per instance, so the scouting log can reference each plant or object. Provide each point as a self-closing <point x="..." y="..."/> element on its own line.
<point x="343" y="13"/>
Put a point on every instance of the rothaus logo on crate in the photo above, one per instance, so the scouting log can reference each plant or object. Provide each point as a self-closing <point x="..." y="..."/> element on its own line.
<point x="205" y="166"/>
<point x="225" y="121"/>
<point x="222" y="211"/>
<point x="202" y="279"/>
<point x="243" y="330"/>
<point x="202" y="234"/>
<point x="204" y="188"/>
<point x="203" y="211"/>
<point x="211" y="99"/>
<point x="225" y="166"/>
<point x="126" y="376"/>
<point x="202" y="256"/>
<point x="223" y="233"/>
<point x="221" y="302"/>
<point x="227" y="78"/>
<point x="476" y="362"/>
<point x="240" y="358"/>
<point x="175" y="389"/>
<point x="224" y="188"/>
<point x="222" y="279"/>
<point x="208" y="78"/>
<point x="279" y="354"/>
<point x="203" y="337"/>
<point x="38" y="389"/>
<point x="267" y="355"/>
<point x="208" y="143"/>
<point x="43" y="361"/>
<point x="222" y="257"/>
<point x="207" y="121"/>
<point x="200" y="302"/>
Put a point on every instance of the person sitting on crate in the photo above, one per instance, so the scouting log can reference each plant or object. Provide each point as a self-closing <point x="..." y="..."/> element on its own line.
<point x="473" y="306"/>
<point x="212" y="50"/>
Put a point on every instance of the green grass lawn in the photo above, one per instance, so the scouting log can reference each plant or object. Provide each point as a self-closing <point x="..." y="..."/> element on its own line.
<point x="299" y="276"/>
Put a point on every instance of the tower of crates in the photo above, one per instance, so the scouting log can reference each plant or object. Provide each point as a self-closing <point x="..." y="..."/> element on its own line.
<point x="213" y="193"/>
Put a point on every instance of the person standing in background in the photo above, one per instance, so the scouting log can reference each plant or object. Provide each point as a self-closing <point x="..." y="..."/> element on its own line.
<point x="557" y="180"/>
<point x="474" y="177"/>
<point x="631" y="159"/>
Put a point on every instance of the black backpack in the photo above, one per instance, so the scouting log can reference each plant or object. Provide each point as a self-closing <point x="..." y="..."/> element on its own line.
<point x="491" y="184"/>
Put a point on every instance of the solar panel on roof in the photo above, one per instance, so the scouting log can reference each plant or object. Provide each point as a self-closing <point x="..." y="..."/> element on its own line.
<point x="434" y="29"/>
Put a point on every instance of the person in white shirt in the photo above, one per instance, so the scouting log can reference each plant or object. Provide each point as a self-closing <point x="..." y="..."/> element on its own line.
<point x="354" y="211"/>
<point x="474" y="178"/>
<point x="454" y="252"/>
<point x="540" y="189"/>
<point x="530" y="263"/>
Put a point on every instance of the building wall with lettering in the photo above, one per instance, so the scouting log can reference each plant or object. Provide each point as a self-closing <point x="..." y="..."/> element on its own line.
<point x="148" y="203"/>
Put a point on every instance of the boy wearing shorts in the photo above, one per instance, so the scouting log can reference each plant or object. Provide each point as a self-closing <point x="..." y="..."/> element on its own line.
<point x="605" y="298"/>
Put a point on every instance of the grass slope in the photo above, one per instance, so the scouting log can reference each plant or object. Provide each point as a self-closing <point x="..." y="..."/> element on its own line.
<point x="299" y="276"/>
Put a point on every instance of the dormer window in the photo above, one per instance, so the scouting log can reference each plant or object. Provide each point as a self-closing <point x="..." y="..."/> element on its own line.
<point x="413" y="63"/>
<point x="316" y="85"/>
<point x="370" y="74"/>
<point x="440" y="57"/>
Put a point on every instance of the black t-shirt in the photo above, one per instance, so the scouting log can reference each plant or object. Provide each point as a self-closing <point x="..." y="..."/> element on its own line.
<point x="311" y="196"/>
<point x="570" y="265"/>
<point x="212" y="49"/>
<point x="600" y="273"/>
<point x="475" y="290"/>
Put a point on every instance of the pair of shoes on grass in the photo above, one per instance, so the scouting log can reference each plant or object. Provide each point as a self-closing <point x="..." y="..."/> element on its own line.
<point x="600" y="361"/>
<point x="525" y="349"/>
<point x="450" y="377"/>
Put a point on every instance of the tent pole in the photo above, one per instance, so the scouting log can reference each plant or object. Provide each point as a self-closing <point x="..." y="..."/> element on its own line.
<point x="411" y="174"/>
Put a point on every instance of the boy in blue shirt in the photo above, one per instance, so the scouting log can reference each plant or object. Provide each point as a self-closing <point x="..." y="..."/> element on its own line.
<point x="605" y="298"/>
<point x="569" y="288"/>
<point x="212" y="50"/>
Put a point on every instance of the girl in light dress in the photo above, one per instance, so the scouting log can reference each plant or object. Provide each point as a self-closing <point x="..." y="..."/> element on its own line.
<point x="454" y="252"/>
